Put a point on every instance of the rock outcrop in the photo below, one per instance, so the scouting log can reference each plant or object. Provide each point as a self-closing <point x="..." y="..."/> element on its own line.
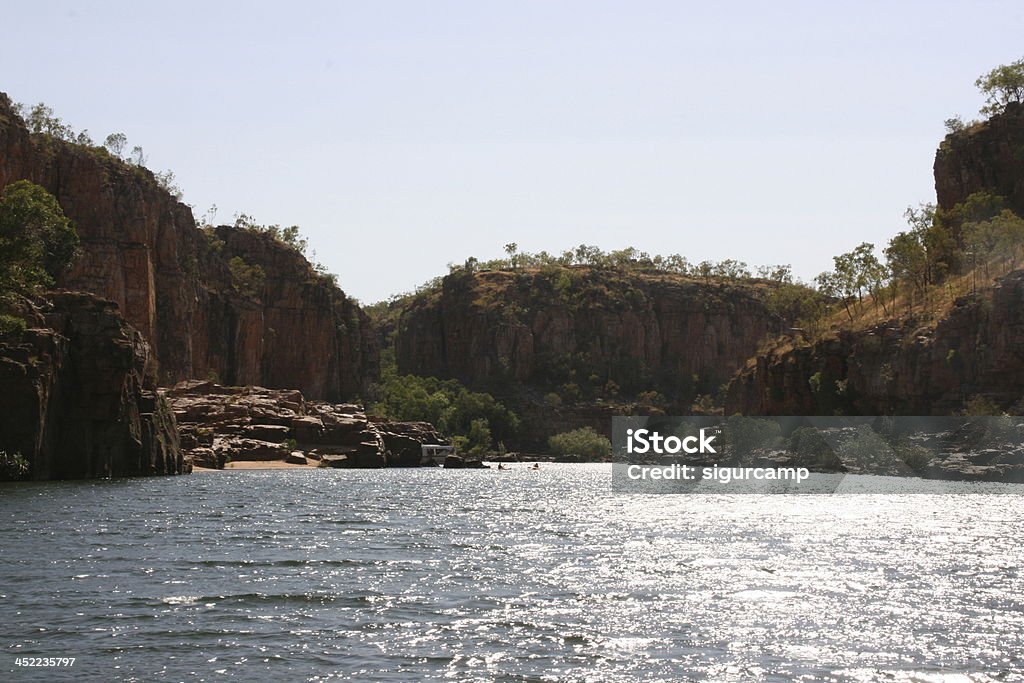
<point x="176" y="285"/>
<point x="219" y="424"/>
<point x="899" y="368"/>
<point x="976" y="348"/>
<point x="79" y="395"/>
<point x="985" y="157"/>
<point x="547" y="327"/>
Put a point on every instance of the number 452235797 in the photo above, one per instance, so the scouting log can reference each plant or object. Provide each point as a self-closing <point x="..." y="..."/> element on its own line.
<point x="44" y="661"/>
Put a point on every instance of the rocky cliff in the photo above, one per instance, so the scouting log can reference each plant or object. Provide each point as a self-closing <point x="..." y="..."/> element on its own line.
<point x="899" y="368"/>
<point x="975" y="349"/>
<point x="985" y="157"/>
<point x="579" y="332"/>
<point x="79" y="395"/>
<point x="221" y="424"/>
<point x="141" y="249"/>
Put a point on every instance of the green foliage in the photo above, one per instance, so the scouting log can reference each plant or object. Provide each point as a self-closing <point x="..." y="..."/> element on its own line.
<point x="41" y="120"/>
<point x="290" y="236"/>
<point x="1001" y="86"/>
<point x="246" y="280"/>
<point x="167" y="182"/>
<point x="954" y="125"/>
<point x="37" y="242"/>
<point x="628" y="259"/>
<point x="797" y="304"/>
<point x="584" y="442"/>
<point x="115" y="144"/>
<point x="11" y="326"/>
<point x="478" y="440"/>
<point x="13" y="466"/>
<point x="448" y="405"/>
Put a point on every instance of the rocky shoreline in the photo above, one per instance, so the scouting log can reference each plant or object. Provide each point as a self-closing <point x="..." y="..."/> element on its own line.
<point x="220" y="425"/>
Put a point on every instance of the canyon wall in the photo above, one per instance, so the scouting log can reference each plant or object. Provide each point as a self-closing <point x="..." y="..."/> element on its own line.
<point x="985" y="157"/>
<point x="79" y="395"/>
<point x="173" y="282"/>
<point x="549" y="327"/>
<point x="976" y="348"/>
<point x="899" y="368"/>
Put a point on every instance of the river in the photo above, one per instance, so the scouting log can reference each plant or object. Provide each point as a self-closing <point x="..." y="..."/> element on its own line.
<point x="480" y="575"/>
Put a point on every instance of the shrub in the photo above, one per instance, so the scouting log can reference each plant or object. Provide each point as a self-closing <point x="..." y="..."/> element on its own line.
<point x="13" y="466"/>
<point x="584" y="441"/>
<point x="447" y="404"/>
<point x="37" y="242"/>
<point x="11" y="326"/>
<point x="247" y="280"/>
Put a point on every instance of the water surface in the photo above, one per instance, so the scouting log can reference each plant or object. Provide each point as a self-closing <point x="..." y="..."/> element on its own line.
<point x="398" y="575"/>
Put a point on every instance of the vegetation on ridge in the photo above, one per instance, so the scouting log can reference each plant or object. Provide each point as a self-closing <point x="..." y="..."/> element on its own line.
<point x="37" y="244"/>
<point x="41" y="121"/>
<point x="477" y="423"/>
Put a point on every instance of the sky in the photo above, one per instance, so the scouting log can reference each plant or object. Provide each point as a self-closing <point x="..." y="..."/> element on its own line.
<point x="404" y="136"/>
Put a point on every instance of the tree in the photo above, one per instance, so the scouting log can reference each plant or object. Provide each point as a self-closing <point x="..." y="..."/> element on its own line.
<point x="1001" y="86"/>
<point x="584" y="441"/>
<point x="37" y="242"/>
<point x="908" y="261"/>
<point x="138" y="157"/>
<point x="512" y="249"/>
<point x="40" y="120"/>
<point x="115" y="143"/>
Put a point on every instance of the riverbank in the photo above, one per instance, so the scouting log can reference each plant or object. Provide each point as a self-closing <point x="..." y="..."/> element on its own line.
<point x="255" y="465"/>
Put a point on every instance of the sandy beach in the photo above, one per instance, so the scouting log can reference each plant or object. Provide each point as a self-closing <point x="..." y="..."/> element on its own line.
<point x="255" y="465"/>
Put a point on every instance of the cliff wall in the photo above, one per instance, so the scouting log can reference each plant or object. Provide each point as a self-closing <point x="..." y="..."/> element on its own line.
<point x="898" y="368"/>
<point x="141" y="249"/>
<point x="583" y="328"/>
<point x="79" y="395"/>
<point x="986" y="157"/>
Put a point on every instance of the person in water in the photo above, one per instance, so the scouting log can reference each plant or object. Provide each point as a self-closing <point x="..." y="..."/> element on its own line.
<point x="536" y="466"/>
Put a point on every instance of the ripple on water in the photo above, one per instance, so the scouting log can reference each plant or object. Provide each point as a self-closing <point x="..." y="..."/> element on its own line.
<point x="411" y="575"/>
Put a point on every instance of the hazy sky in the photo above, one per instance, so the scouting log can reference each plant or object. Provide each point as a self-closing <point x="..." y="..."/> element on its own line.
<point x="402" y="136"/>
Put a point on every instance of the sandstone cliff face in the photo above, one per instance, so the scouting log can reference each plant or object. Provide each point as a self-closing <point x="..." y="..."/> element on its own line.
<point x="898" y="368"/>
<point x="901" y="367"/>
<point x="296" y="330"/>
<point x="986" y="157"/>
<point x="142" y="250"/>
<point x="542" y="328"/>
<point x="79" y="396"/>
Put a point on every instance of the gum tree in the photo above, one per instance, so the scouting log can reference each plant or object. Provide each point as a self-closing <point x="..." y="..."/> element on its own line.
<point x="1001" y="86"/>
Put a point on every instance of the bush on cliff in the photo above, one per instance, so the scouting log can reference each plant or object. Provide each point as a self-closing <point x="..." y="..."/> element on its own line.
<point x="13" y="466"/>
<point x="37" y="242"/>
<point x="1001" y="86"/>
<point x="584" y="441"/>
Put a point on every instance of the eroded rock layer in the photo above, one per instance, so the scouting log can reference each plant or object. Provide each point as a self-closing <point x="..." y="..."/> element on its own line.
<point x="178" y="285"/>
<point x="976" y="350"/>
<point x="79" y="395"/>
<point x="221" y="424"/>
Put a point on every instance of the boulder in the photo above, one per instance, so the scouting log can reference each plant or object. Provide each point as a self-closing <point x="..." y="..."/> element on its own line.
<point x="296" y="458"/>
